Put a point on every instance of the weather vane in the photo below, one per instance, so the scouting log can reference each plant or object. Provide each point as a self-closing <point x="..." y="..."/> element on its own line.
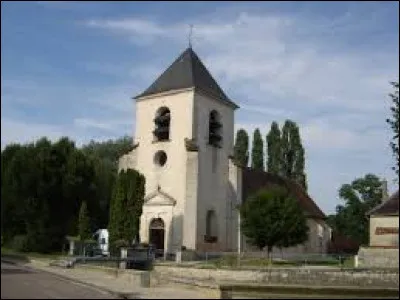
<point x="190" y="35"/>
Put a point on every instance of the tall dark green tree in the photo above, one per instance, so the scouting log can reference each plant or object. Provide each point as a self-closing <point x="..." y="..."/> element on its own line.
<point x="273" y="218"/>
<point x="274" y="153"/>
<point x="117" y="209"/>
<point x="84" y="223"/>
<point x="293" y="161"/>
<point x="257" y="151"/>
<point x="126" y="206"/>
<point x="241" y="149"/>
<point x="393" y="121"/>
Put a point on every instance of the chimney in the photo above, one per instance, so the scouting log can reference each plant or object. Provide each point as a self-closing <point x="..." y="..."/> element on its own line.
<point x="385" y="195"/>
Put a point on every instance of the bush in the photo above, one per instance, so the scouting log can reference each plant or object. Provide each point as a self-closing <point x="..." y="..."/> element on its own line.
<point x="20" y="243"/>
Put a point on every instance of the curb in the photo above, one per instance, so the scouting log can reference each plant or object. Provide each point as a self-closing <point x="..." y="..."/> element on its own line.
<point x="92" y="285"/>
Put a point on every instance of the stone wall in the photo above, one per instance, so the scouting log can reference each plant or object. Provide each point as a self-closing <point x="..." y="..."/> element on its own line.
<point x="293" y="276"/>
<point x="378" y="258"/>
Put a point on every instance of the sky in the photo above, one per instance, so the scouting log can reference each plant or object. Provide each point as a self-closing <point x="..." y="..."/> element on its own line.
<point x="70" y="68"/>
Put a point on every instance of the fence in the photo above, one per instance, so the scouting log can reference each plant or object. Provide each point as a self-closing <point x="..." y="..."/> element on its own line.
<point x="259" y="259"/>
<point x="145" y="258"/>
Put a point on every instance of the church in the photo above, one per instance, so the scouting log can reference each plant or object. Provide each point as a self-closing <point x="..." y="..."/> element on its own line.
<point x="183" y="145"/>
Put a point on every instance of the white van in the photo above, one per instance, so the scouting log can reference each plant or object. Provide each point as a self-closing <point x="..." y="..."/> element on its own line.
<point x="101" y="236"/>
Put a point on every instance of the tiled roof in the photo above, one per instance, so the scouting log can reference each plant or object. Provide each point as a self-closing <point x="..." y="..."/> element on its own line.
<point x="389" y="207"/>
<point x="253" y="181"/>
<point x="187" y="71"/>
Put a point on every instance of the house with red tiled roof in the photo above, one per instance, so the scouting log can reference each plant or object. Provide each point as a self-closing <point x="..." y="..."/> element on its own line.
<point x="319" y="231"/>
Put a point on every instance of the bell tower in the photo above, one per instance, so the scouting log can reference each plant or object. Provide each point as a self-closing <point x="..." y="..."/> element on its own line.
<point x="183" y="140"/>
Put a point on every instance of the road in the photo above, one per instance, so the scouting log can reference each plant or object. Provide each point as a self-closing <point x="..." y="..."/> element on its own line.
<point x="21" y="282"/>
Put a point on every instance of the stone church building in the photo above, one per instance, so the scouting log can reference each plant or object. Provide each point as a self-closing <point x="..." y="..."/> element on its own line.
<point x="183" y="145"/>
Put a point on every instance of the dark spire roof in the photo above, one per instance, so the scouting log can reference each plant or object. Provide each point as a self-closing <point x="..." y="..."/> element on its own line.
<point x="185" y="72"/>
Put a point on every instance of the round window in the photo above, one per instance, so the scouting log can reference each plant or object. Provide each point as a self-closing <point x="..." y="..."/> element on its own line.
<point x="160" y="158"/>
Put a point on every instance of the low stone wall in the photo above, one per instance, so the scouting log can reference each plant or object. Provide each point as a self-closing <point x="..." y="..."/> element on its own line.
<point x="378" y="258"/>
<point x="133" y="277"/>
<point x="295" y="276"/>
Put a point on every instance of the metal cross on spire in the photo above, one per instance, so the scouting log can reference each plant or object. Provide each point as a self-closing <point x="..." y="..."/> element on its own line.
<point x="190" y="35"/>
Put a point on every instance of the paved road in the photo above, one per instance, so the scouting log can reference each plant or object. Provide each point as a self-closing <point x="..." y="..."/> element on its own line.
<point x="19" y="282"/>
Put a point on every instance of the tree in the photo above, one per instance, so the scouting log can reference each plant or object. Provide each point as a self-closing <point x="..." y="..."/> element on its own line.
<point x="241" y="149"/>
<point x="117" y="208"/>
<point x="394" y="124"/>
<point x="42" y="183"/>
<point x="273" y="218"/>
<point x="360" y="196"/>
<point x="105" y="156"/>
<point x="292" y="166"/>
<point x="274" y="153"/>
<point x="84" y="223"/>
<point x="257" y="154"/>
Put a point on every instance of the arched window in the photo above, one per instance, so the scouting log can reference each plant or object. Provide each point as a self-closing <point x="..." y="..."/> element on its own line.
<point x="211" y="227"/>
<point x="162" y="124"/>
<point x="215" y="129"/>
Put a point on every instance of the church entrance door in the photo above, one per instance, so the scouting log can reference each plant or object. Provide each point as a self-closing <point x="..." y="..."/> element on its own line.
<point x="157" y="234"/>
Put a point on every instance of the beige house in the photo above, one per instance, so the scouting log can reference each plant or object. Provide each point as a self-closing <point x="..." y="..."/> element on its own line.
<point x="383" y="250"/>
<point x="183" y="145"/>
<point x="384" y="223"/>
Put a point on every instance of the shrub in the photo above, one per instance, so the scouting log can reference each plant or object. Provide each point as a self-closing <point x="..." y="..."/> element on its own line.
<point x="20" y="243"/>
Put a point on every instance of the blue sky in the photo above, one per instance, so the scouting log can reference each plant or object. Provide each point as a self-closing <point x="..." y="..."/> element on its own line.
<point x="70" y="68"/>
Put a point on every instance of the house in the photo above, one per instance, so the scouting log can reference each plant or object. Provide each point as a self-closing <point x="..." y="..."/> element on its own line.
<point x="183" y="145"/>
<point x="383" y="249"/>
<point x="384" y="223"/>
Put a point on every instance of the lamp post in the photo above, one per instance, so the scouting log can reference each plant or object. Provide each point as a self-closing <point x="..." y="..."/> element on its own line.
<point x="239" y="239"/>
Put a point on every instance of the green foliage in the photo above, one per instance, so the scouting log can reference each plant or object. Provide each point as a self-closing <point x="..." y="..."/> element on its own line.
<point x="126" y="206"/>
<point x="20" y="243"/>
<point x="42" y="183"/>
<point x="393" y="121"/>
<point x="241" y="149"/>
<point x="257" y="151"/>
<point x="84" y="223"/>
<point x="292" y="154"/>
<point x="273" y="218"/>
<point x="274" y="158"/>
<point x="359" y="197"/>
<point x="105" y="157"/>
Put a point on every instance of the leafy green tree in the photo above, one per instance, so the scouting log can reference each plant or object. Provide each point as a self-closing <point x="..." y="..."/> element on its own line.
<point x="293" y="161"/>
<point x="273" y="218"/>
<point x="105" y="156"/>
<point x="257" y="151"/>
<point x="274" y="153"/>
<point x="359" y="197"/>
<point x="84" y="223"/>
<point x="393" y="121"/>
<point x="241" y="149"/>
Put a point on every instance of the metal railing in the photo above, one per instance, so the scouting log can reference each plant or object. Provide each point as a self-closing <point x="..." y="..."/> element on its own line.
<point x="259" y="260"/>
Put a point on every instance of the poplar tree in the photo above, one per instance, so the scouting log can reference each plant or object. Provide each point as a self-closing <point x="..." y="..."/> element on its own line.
<point x="274" y="154"/>
<point x="292" y="166"/>
<point x="241" y="149"/>
<point x="257" y="154"/>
